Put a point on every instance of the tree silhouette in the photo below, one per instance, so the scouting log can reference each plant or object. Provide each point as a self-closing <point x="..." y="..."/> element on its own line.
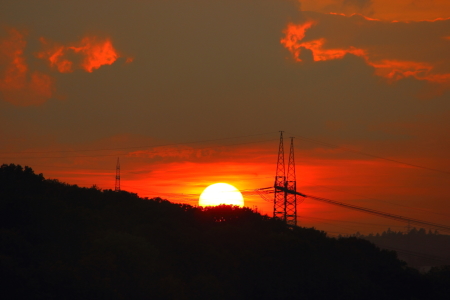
<point x="61" y="241"/>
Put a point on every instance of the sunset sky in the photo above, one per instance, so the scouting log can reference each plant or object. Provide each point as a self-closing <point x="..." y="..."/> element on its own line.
<point x="190" y="93"/>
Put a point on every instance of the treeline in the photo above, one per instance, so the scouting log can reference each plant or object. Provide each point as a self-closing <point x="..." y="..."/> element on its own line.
<point x="60" y="241"/>
<point x="420" y="248"/>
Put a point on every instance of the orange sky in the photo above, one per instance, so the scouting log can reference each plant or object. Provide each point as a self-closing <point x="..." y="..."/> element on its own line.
<point x="180" y="173"/>
<point x="189" y="93"/>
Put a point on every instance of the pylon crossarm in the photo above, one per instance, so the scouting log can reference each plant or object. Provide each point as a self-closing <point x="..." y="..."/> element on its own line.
<point x="288" y="191"/>
<point x="266" y="188"/>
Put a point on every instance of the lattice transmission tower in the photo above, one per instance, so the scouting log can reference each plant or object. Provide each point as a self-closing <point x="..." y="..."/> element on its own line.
<point x="279" y="201"/>
<point x="285" y="200"/>
<point x="291" y="185"/>
<point x="117" y="186"/>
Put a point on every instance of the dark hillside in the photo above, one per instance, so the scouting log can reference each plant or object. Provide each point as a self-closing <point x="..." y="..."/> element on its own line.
<point x="60" y="241"/>
<point x="419" y="248"/>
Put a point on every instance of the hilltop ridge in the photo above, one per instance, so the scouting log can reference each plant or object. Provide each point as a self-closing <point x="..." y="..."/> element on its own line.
<point x="61" y="241"/>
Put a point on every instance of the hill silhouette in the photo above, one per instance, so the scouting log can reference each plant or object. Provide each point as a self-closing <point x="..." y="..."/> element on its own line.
<point x="417" y="247"/>
<point x="61" y="241"/>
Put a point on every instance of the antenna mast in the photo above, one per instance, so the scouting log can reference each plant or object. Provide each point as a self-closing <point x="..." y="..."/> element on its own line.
<point x="117" y="186"/>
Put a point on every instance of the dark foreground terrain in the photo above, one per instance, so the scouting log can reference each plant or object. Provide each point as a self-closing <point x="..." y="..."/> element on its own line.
<point x="60" y="241"/>
<point x="419" y="248"/>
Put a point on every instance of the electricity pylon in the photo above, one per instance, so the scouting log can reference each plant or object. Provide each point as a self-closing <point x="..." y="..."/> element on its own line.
<point x="279" y="201"/>
<point x="285" y="188"/>
<point x="117" y="186"/>
<point x="291" y="185"/>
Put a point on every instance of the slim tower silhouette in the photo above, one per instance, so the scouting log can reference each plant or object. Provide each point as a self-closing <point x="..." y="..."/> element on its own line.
<point x="117" y="186"/>
<point x="279" y="202"/>
<point x="291" y="185"/>
<point x="285" y="198"/>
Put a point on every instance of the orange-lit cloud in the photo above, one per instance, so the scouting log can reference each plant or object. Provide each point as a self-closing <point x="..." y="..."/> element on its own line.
<point x="396" y="70"/>
<point x="89" y="54"/>
<point x="354" y="14"/>
<point x="392" y="69"/>
<point x="18" y="84"/>
<point x="21" y="86"/>
<point x="399" y="10"/>
<point x="294" y="33"/>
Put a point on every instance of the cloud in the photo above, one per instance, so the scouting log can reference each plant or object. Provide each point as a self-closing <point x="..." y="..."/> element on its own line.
<point x="400" y="10"/>
<point x="18" y="84"/>
<point x="396" y="50"/>
<point x="23" y="86"/>
<point x="294" y="34"/>
<point x="89" y="54"/>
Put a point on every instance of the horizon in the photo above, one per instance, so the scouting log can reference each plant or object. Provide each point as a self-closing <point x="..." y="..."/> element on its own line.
<point x="191" y="199"/>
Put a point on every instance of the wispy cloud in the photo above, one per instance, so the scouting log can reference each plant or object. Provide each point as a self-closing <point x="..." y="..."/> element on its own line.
<point x="18" y="84"/>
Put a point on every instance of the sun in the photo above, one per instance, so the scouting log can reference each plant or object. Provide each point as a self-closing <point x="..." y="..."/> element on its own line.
<point x="221" y="193"/>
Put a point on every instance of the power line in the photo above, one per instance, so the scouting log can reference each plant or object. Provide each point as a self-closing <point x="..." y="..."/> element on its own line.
<point x="367" y="210"/>
<point x="192" y="197"/>
<point x="388" y="202"/>
<point x="383" y="214"/>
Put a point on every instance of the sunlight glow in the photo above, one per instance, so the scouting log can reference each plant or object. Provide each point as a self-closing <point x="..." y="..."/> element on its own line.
<point x="221" y="193"/>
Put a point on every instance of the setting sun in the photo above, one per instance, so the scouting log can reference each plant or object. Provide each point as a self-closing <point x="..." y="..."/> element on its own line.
<point x="221" y="193"/>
